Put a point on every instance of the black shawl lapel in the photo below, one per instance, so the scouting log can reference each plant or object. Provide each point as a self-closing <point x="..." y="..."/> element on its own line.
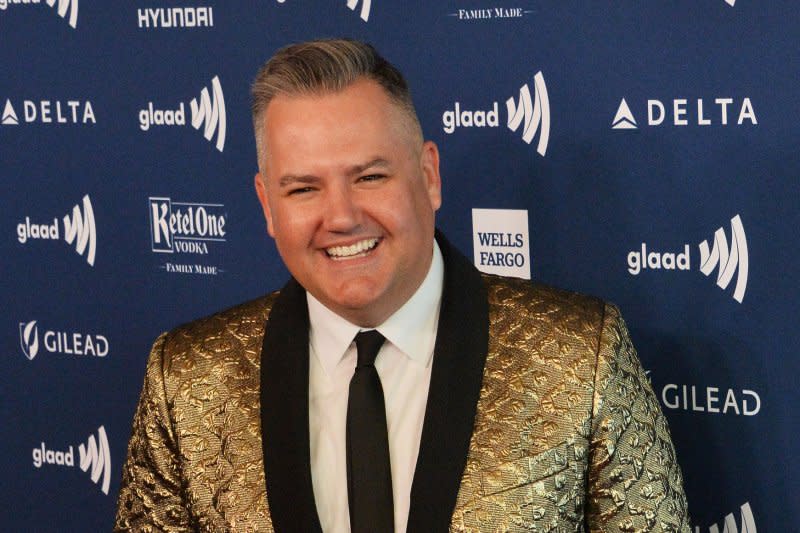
<point x="284" y="414"/>
<point x="459" y="355"/>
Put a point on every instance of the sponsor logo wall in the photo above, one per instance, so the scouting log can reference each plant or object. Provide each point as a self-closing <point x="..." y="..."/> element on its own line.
<point x="602" y="150"/>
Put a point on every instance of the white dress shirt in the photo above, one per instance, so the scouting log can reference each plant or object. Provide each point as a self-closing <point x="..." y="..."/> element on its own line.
<point x="404" y="366"/>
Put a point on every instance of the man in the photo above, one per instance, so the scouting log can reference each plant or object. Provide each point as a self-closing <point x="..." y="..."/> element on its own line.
<point x="508" y="406"/>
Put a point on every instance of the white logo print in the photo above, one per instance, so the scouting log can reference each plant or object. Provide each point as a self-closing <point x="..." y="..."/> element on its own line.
<point x="9" y="115"/>
<point x="29" y="339"/>
<point x="81" y="230"/>
<point x="78" y="229"/>
<point x="175" y="17"/>
<point x="730" y="2"/>
<point x="534" y="115"/>
<point x="210" y="114"/>
<point x="63" y="7"/>
<point x="727" y="259"/>
<point x="624" y="120"/>
<point x="98" y="457"/>
<point x="748" y="522"/>
<point x="95" y="456"/>
<point x="365" y="7"/>
<point x="532" y="112"/>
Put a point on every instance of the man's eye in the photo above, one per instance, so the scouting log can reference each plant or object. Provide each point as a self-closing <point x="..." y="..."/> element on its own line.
<point x="371" y="177"/>
<point x="300" y="190"/>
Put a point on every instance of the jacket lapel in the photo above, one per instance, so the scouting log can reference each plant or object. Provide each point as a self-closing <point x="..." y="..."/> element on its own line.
<point x="459" y="355"/>
<point x="284" y="413"/>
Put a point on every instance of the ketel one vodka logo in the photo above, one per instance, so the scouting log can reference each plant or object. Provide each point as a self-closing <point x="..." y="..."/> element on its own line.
<point x="78" y="230"/>
<point x="66" y="9"/>
<point x="94" y="458"/>
<point x="207" y="111"/>
<point x="527" y="115"/>
<point x="186" y="228"/>
<point x="60" y="342"/>
<point x="728" y="259"/>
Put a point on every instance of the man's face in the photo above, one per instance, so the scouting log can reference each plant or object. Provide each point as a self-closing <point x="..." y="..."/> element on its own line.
<point x="349" y="195"/>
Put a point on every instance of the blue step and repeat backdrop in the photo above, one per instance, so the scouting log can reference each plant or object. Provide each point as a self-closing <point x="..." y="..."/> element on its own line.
<point x="644" y="152"/>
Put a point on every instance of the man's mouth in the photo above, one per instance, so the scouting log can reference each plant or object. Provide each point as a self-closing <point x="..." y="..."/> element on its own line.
<point x="340" y="253"/>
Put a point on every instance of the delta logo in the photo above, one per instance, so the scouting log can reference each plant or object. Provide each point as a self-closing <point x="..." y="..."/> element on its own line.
<point x="207" y="112"/>
<point x="48" y="112"/>
<point x="527" y="115"/>
<point x="66" y="9"/>
<point x="94" y="458"/>
<point x="728" y="258"/>
<point x="186" y="228"/>
<point x="353" y="5"/>
<point x="76" y="228"/>
<point x="59" y="342"/>
<point x="684" y="112"/>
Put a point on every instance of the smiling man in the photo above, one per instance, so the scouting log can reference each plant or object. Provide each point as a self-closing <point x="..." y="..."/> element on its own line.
<point x="389" y="386"/>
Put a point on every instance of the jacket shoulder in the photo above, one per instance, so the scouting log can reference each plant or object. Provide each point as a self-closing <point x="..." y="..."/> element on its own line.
<point x="523" y="300"/>
<point x="232" y="335"/>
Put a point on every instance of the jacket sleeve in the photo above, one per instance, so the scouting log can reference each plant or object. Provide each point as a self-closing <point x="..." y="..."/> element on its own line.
<point x="634" y="481"/>
<point x="151" y="496"/>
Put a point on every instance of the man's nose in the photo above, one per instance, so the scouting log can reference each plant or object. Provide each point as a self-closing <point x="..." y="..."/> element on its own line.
<point x="342" y="213"/>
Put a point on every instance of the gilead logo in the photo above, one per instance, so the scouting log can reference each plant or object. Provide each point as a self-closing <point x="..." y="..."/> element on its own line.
<point x="528" y="114"/>
<point x="729" y="259"/>
<point x="60" y="342"/>
<point x="94" y="458"/>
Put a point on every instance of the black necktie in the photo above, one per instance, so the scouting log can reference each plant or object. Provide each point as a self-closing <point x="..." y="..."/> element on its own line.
<point x="369" y="473"/>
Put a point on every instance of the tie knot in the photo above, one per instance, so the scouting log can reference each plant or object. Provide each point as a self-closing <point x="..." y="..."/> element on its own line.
<point x="368" y="344"/>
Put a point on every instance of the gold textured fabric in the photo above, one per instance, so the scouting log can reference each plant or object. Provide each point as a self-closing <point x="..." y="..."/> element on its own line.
<point x="568" y="435"/>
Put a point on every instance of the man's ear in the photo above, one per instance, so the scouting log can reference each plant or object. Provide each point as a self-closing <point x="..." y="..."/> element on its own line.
<point x="263" y="198"/>
<point x="429" y="161"/>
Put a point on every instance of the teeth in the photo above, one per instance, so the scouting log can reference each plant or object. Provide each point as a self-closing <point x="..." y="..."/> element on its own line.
<point x="344" y="252"/>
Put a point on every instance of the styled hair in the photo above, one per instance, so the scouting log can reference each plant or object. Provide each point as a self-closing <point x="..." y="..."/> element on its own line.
<point x="325" y="66"/>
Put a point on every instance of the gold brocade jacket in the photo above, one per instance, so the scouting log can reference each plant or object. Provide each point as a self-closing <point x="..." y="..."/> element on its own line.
<point x="539" y="418"/>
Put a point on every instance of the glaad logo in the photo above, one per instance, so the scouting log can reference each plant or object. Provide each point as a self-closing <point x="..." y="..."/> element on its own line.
<point x="748" y="523"/>
<point x="691" y="398"/>
<point x="730" y="2"/>
<point x="730" y="260"/>
<point x="682" y="113"/>
<point x="49" y="112"/>
<point x="500" y="241"/>
<point x="366" y="5"/>
<point x="530" y="112"/>
<point x="491" y="13"/>
<point x="727" y="259"/>
<point x="60" y="342"/>
<point x="95" y="457"/>
<point x="79" y="229"/>
<point x="186" y="228"/>
<point x="175" y="17"/>
<point x="62" y="7"/>
<point x="207" y="111"/>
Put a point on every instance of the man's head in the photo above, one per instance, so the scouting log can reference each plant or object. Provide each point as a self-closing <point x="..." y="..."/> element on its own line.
<point x="347" y="185"/>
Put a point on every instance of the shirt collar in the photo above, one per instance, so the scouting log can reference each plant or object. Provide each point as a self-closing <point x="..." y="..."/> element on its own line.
<point x="412" y="328"/>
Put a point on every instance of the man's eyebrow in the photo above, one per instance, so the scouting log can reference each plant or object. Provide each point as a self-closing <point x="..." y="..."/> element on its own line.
<point x="358" y="169"/>
<point x="290" y="179"/>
